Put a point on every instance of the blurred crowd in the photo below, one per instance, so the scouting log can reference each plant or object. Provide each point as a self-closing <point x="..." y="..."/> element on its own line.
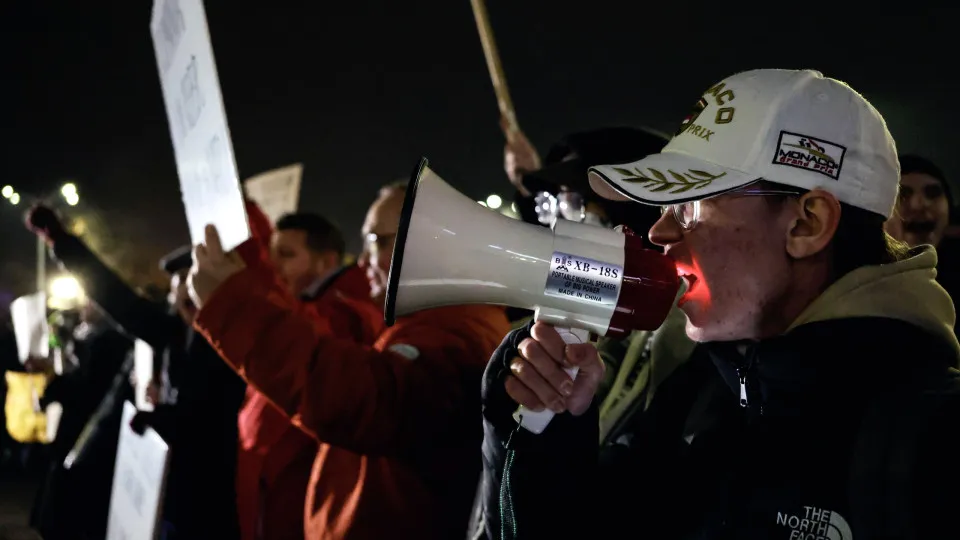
<point x="292" y="411"/>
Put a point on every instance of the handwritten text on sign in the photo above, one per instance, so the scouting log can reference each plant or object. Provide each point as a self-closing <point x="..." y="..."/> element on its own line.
<point x="198" y="121"/>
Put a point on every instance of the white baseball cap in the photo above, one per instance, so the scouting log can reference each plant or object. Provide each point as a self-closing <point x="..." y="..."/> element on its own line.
<point x="794" y="128"/>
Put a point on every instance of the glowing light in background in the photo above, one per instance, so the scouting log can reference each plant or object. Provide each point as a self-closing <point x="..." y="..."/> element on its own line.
<point x="65" y="288"/>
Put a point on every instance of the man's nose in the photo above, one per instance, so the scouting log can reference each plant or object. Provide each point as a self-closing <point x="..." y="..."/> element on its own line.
<point x="363" y="260"/>
<point x="916" y="202"/>
<point x="666" y="230"/>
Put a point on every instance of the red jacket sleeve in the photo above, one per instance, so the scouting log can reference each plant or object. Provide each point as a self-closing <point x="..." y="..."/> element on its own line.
<point x="370" y="400"/>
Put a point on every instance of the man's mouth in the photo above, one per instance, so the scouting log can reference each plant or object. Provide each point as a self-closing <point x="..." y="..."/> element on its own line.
<point x="689" y="278"/>
<point x="919" y="227"/>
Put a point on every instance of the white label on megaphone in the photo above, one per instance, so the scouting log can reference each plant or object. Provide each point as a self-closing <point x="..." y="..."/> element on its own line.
<point x="583" y="280"/>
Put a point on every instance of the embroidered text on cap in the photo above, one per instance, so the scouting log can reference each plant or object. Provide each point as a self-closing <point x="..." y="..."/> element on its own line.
<point x="805" y="152"/>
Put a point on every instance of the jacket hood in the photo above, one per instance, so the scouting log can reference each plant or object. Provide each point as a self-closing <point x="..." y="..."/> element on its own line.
<point x="875" y="327"/>
<point x="906" y="291"/>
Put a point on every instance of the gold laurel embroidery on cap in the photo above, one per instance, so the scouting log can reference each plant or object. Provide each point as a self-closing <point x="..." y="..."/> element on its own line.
<point x="692" y="179"/>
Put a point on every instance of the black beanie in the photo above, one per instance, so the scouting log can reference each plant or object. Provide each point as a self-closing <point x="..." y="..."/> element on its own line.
<point x="910" y="163"/>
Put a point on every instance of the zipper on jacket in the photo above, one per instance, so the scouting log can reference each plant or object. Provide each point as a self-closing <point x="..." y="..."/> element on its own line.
<point x="743" y="372"/>
<point x="508" y="531"/>
<point x="744" y="400"/>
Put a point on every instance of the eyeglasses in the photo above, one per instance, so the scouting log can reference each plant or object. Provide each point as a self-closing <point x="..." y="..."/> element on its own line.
<point x="687" y="214"/>
<point x="375" y="243"/>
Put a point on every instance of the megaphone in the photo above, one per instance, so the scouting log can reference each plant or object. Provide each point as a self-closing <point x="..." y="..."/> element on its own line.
<point x="449" y="250"/>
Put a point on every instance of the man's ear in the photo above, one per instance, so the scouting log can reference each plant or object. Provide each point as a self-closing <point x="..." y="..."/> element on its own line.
<point x="813" y="223"/>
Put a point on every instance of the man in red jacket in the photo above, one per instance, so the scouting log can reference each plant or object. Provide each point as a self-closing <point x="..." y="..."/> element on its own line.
<point x="397" y="422"/>
<point x="275" y="457"/>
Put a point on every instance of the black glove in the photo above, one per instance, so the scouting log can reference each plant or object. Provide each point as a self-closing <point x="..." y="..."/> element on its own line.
<point x="498" y="407"/>
<point x="44" y="222"/>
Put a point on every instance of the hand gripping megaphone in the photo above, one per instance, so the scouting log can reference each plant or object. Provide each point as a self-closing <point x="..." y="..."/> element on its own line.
<point x="450" y="250"/>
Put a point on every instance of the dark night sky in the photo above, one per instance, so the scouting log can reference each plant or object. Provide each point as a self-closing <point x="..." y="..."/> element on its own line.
<point x="359" y="90"/>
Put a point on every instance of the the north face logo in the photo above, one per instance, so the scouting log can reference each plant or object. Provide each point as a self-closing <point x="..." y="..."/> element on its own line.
<point x="815" y="524"/>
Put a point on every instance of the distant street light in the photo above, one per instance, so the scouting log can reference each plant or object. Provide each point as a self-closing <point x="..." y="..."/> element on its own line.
<point x="494" y="201"/>
<point x="68" y="191"/>
<point x="65" y="292"/>
<point x="65" y="288"/>
<point x="481" y="203"/>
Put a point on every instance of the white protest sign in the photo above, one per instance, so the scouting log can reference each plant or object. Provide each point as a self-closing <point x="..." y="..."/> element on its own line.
<point x="29" y="314"/>
<point x="198" y="121"/>
<point x="54" y="412"/>
<point x="138" y="482"/>
<point x="277" y="192"/>
<point x="143" y="373"/>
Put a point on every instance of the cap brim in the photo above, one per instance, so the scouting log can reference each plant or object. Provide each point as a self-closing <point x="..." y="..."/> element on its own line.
<point x="666" y="178"/>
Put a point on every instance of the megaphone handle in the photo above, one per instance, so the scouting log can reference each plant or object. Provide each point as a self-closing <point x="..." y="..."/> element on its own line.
<point x="534" y="421"/>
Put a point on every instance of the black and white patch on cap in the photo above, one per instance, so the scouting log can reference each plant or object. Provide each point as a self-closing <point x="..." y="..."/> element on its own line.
<point x="809" y="153"/>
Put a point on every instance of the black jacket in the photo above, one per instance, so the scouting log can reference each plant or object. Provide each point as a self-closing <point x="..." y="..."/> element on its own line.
<point x="202" y="427"/>
<point x="56" y="513"/>
<point x="808" y="455"/>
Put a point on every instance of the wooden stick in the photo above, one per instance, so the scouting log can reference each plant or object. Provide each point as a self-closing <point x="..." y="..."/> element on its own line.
<point x="493" y="65"/>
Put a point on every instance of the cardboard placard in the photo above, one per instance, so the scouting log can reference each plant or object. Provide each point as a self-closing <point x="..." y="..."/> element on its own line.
<point x="276" y="192"/>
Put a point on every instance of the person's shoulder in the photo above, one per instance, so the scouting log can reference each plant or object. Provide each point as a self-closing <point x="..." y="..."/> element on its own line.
<point x="476" y="318"/>
<point x="474" y="328"/>
<point x="351" y="281"/>
<point x="336" y="300"/>
<point x="935" y="473"/>
<point x="360" y="316"/>
<point x="929" y="404"/>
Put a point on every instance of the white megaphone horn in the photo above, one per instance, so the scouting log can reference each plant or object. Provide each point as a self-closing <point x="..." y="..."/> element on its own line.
<point x="450" y="250"/>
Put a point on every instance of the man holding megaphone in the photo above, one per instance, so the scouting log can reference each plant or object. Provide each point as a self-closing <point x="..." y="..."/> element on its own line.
<point x="639" y="362"/>
<point x="834" y="341"/>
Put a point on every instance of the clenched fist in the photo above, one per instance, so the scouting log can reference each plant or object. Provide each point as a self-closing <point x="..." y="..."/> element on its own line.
<point x="211" y="267"/>
<point x="43" y="221"/>
<point x="519" y="157"/>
